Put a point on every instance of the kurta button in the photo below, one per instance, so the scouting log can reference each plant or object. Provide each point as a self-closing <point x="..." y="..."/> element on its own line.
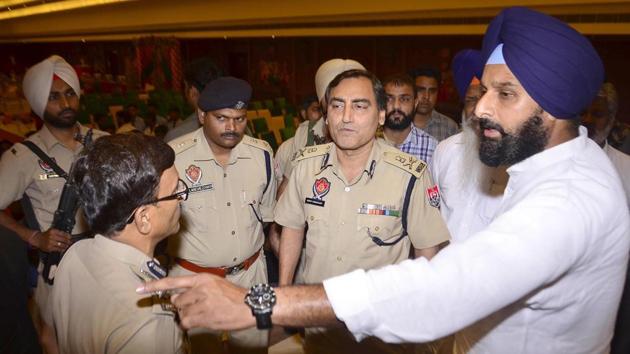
<point x="376" y="228"/>
<point x="339" y="258"/>
<point x="234" y="259"/>
<point x="233" y="232"/>
<point x="228" y="203"/>
<point x="225" y="175"/>
<point x="347" y="189"/>
<point x="312" y="218"/>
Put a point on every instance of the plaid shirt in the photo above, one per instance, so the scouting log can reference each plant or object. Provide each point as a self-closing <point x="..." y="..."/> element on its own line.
<point x="440" y="126"/>
<point x="419" y="144"/>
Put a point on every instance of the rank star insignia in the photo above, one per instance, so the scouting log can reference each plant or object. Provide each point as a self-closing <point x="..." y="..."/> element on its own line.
<point x="321" y="187"/>
<point x="433" y="196"/>
<point x="193" y="174"/>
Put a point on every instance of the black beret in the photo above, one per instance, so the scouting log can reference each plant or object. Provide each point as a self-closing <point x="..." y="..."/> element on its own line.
<point x="225" y="92"/>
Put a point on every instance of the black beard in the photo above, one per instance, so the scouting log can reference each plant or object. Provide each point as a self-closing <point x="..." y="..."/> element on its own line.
<point x="530" y="139"/>
<point x="403" y="124"/>
<point x="59" y="122"/>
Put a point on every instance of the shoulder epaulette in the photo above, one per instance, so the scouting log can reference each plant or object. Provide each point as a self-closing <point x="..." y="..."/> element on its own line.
<point x="312" y="151"/>
<point x="257" y="143"/>
<point x="180" y="146"/>
<point x="406" y="162"/>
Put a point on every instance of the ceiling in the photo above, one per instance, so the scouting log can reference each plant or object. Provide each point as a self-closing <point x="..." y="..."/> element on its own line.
<point x="92" y="20"/>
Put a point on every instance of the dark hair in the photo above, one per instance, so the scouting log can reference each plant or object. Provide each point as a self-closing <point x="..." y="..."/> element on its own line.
<point x="308" y="100"/>
<point x="123" y="117"/>
<point x="377" y="87"/>
<point x="401" y="79"/>
<point x="117" y="174"/>
<point x="200" y="72"/>
<point x="428" y="72"/>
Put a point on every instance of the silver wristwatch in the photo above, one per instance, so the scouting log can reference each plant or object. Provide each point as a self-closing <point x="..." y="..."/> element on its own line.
<point x="261" y="298"/>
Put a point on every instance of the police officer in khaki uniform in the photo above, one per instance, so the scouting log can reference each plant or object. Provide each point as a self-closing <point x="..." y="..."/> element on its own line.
<point x="233" y="191"/>
<point x="131" y="192"/>
<point x="52" y="90"/>
<point x="365" y="203"/>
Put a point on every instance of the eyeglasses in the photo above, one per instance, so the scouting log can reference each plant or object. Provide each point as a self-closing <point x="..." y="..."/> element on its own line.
<point x="181" y="194"/>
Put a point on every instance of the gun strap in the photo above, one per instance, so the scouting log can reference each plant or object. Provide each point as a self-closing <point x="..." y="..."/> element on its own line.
<point x="42" y="155"/>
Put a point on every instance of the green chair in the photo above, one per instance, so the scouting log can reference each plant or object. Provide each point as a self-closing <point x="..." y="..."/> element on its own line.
<point x="255" y="105"/>
<point x="270" y="138"/>
<point x="281" y="102"/>
<point x="269" y="104"/>
<point x="287" y="133"/>
<point x="260" y="125"/>
<point x="289" y="121"/>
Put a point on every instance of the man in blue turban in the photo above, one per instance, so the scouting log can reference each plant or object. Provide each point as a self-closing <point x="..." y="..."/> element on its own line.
<point x="545" y="276"/>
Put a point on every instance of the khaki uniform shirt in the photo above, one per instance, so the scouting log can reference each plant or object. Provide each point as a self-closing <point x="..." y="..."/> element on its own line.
<point x="301" y="140"/>
<point x="220" y="218"/>
<point x="95" y="307"/>
<point x="21" y="171"/>
<point x="341" y="215"/>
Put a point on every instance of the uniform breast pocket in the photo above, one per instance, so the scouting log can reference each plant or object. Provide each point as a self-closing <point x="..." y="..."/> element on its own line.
<point x="200" y="213"/>
<point x="380" y="228"/>
<point x="251" y="206"/>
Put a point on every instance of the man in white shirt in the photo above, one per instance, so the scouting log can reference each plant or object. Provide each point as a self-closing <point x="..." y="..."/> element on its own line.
<point x="471" y="191"/>
<point x="544" y="277"/>
<point x="599" y="119"/>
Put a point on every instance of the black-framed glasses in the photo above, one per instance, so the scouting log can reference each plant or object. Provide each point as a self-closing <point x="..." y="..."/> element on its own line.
<point x="181" y="194"/>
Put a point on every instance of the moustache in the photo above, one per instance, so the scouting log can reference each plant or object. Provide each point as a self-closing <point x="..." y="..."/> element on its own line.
<point x="391" y="113"/>
<point x="67" y="111"/>
<point x="485" y="123"/>
<point x="230" y="135"/>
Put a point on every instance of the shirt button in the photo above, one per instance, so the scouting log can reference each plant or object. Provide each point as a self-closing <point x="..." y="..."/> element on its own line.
<point x="234" y="259"/>
<point x="347" y="189"/>
<point x="376" y="228"/>
<point x="339" y="258"/>
<point x="233" y="232"/>
<point x="228" y="203"/>
<point x="312" y="218"/>
<point x="225" y="175"/>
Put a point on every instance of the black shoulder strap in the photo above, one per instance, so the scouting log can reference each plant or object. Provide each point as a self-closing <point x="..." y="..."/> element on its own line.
<point x="42" y="155"/>
<point x="405" y="208"/>
<point x="268" y="169"/>
<point x="412" y="182"/>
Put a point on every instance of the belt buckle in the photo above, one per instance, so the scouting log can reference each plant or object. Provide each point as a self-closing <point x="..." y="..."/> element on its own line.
<point x="234" y="269"/>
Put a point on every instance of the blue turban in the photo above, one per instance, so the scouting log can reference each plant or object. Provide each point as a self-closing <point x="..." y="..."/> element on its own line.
<point x="557" y="66"/>
<point x="466" y="65"/>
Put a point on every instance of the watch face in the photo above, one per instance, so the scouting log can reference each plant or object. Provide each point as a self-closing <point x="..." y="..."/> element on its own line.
<point x="261" y="297"/>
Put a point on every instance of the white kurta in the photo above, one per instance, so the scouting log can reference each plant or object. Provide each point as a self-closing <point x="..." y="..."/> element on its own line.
<point x="544" y="277"/>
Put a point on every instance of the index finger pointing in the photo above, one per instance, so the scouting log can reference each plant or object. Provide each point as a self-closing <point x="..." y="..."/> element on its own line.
<point x="169" y="283"/>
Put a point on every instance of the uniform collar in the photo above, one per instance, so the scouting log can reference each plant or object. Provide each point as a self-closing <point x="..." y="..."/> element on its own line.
<point x="330" y="161"/>
<point x="49" y="139"/>
<point x="120" y="251"/>
<point x="206" y="154"/>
